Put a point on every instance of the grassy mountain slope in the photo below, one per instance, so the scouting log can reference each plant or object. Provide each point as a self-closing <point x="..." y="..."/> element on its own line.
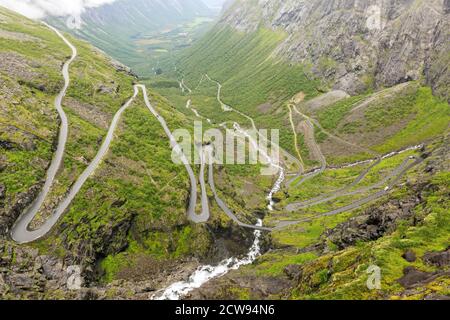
<point x="254" y="82"/>
<point x="126" y="29"/>
<point x="258" y="81"/>
<point x="131" y="214"/>
<point x="357" y="45"/>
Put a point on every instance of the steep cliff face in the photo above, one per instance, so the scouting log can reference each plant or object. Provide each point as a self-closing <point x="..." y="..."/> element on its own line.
<point x="357" y="44"/>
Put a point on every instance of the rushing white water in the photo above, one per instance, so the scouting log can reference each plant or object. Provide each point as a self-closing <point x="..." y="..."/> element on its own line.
<point x="270" y="161"/>
<point x="413" y="148"/>
<point x="205" y="273"/>
<point x="275" y="189"/>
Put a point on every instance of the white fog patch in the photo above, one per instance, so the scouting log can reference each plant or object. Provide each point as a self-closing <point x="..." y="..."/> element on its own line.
<point x="38" y="9"/>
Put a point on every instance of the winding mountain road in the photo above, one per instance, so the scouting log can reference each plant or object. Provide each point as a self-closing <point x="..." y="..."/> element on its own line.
<point x="311" y="122"/>
<point x="357" y="204"/>
<point x="315" y="148"/>
<point x="343" y="192"/>
<point x="228" y="108"/>
<point x="192" y="215"/>
<point x="332" y="136"/>
<point x="294" y="131"/>
<point x="209" y="151"/>
<point x="398" y="172"/>
<point x="20" y="231"/>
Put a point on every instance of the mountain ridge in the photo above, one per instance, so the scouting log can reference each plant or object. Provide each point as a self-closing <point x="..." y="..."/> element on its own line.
<point x="362" y="44"/>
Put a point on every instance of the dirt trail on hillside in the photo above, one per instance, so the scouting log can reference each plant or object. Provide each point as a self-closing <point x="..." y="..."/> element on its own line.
<point x="296" y="142"/>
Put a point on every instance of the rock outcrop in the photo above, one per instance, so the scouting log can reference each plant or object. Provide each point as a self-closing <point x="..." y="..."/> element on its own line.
<point x="414" y="278"/>
<point x="9" y="214"/>
<point x="439" y="259"/>
<point x="356" y="44"/>
<point x="26" y="274"/>
<point x="374" y="224"/>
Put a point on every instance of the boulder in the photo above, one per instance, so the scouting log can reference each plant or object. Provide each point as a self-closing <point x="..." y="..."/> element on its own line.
<point x="293" y="271"/>
<point x="415" y="278"/>
<point x="409" y="256"/>
<point x="438" y="259"/>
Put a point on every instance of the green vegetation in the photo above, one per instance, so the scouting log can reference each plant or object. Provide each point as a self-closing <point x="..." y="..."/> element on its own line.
<point x="331" y="116"/>
<point x="390" y="120"/>
<point x="334" y="179"/>
<point x="244" y="64"/>
<point x="30" y="78"/>
<point x="131" y="213"/>
<point x="348" y="274"/>
<point x="135" y="202"/>
<point x="148" y="33"/>
<point x="251" y="77"/>
<point x="273" y="264"/>
<point x="431" y="119"/>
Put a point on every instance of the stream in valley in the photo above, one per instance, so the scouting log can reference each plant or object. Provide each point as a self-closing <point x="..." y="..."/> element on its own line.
<point x="206" y="273"/>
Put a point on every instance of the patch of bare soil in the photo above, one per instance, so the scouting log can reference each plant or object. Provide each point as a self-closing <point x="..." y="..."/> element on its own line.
<point x="310" y="140"/>
<point x="332" y="149"/>
<point x="324" y="100"/>
<point x="16" y="66"/>
<point x="264" y="108"/>
<point x="298" y="98"/>
<point x="90" y="113"/>
<point x="17" y="36"/>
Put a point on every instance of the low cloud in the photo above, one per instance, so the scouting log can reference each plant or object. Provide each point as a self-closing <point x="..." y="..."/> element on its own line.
<point x="38" y="9"/>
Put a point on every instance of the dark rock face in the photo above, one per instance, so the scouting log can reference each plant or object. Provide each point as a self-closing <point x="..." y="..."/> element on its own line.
<point x="23" y="200"/>
<point x="349" y="42"/>
<point x="222" y="288"/>
<point x="438" y="259"/>
<point x="293" y="272"/>
<point x="447" y="6"/>
<point x="436" y="67"/>
<point x="2" y="191"/>
<point x="28" y="275"/>
<point x="7" y="145"/>
<point x="437" y="297"/>
<point x="109" y="239"/>
<point x="372" y="225"/>
<point x="409" y="256"/>
<point x="413" y="277"/>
